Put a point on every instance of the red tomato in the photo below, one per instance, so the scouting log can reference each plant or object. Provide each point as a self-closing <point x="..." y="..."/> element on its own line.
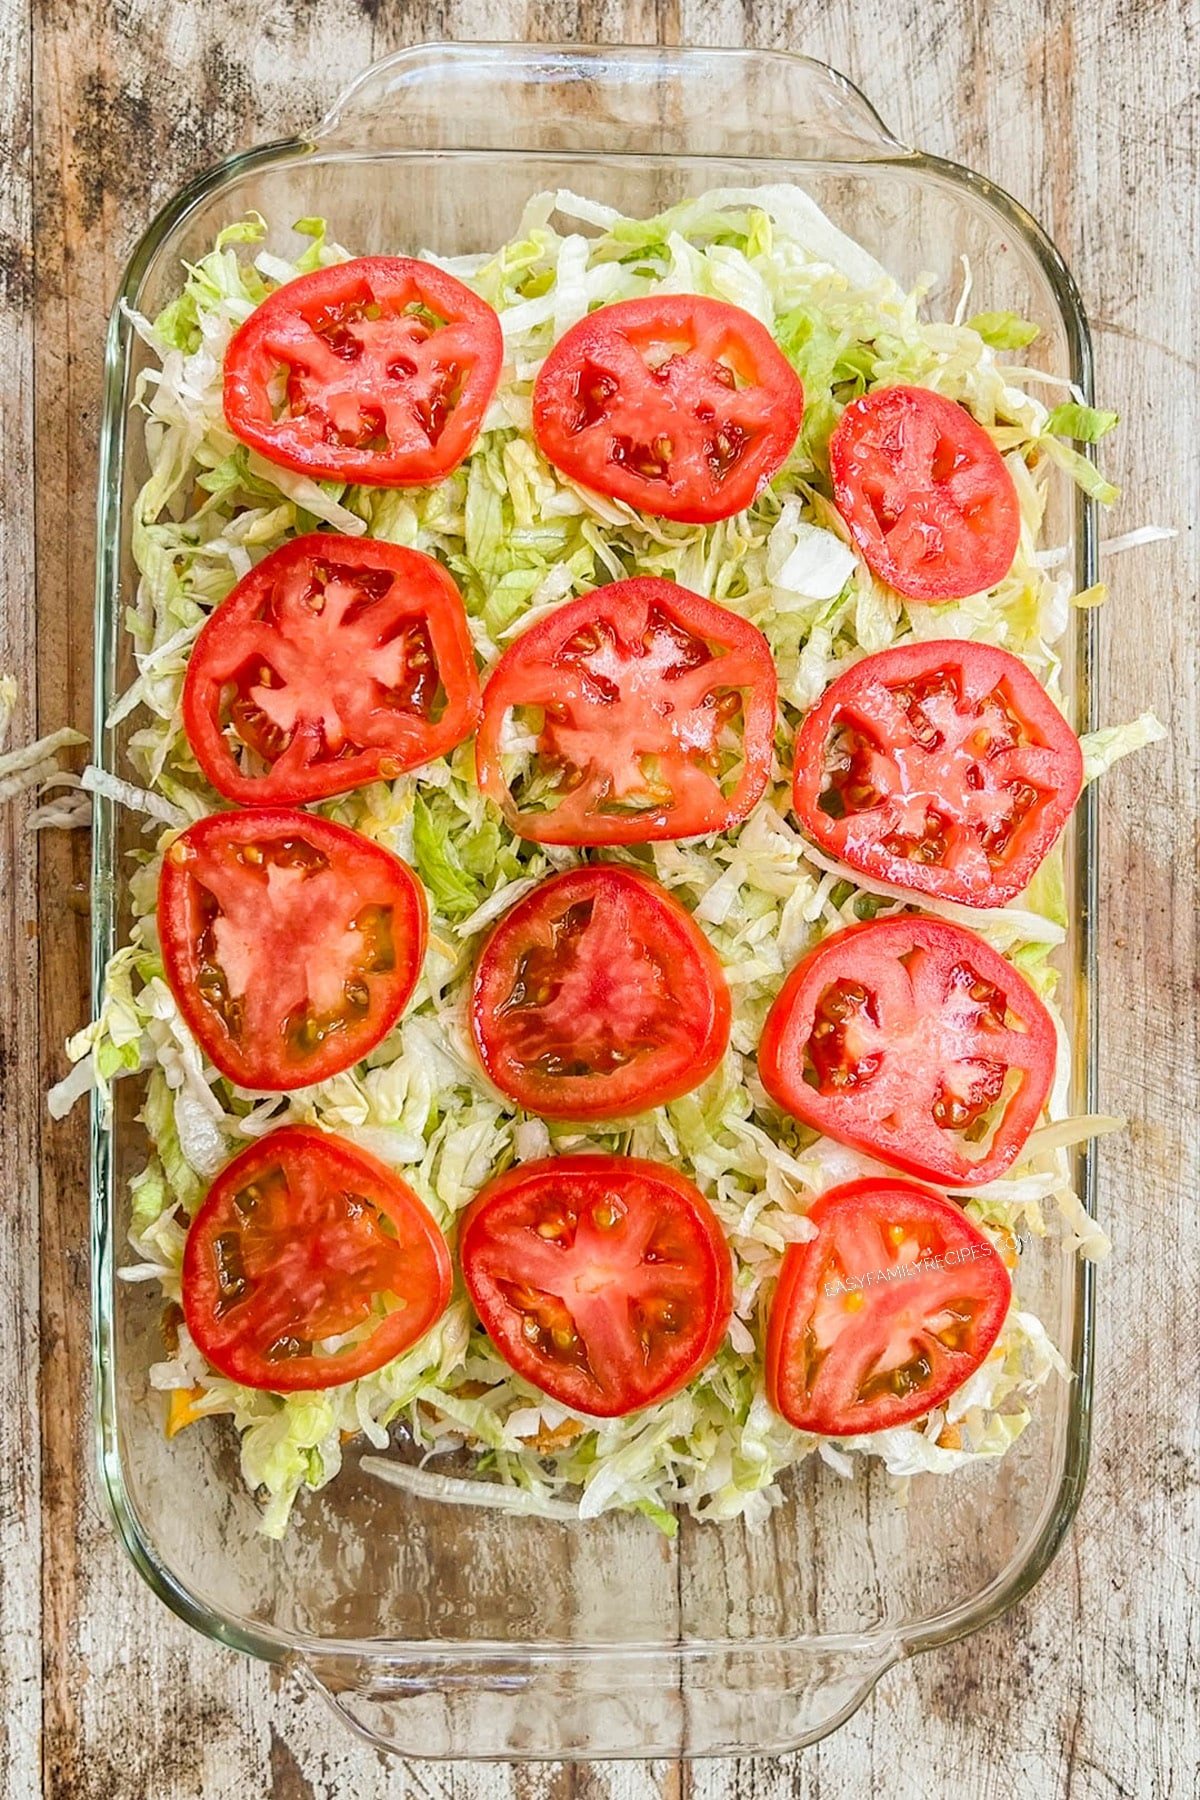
<point x="635" y="693"/>
<point x="598" y="995"/>
<point x="913" y="1041"/>
<point x="303" y="1238"/>
<point x="938" y="766"/>
<point x="291" y="944"/>
<point x="681" y="406"/>
<point x="604" y="1281"/>
<point x="335" y="662"/>
<point x="885" y="1313"/>
<point x="925" y="493"/>
<point x="377" y="371"/>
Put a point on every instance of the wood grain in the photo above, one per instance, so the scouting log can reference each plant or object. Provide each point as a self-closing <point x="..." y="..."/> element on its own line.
<point x="1089" y="115"/>
<point x="20" y="1470"/>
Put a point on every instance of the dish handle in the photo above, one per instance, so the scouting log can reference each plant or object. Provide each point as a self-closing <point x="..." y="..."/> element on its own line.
<point x="496" y="1703"/>
<point x="674" y="101"/>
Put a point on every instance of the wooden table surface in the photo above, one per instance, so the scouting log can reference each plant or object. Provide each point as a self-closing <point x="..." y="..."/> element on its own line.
<point x="1088" y="114"/>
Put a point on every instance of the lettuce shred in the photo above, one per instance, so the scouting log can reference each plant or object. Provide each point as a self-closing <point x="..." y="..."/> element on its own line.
<point x="1004" y="330"/>
<point x="1086" y="424"/>
<point x="519" y="541"/>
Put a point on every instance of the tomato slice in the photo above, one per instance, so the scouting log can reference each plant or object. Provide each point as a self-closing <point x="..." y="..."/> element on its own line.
<point x="679" y="405"/>
<point x="303" y="1239"/>
<point x="938" y="766"/>
<point x="912" y="1040"/>
<point x="885" y="1313"/>
<point x="336" y="661"/>
<point x="598" y="995"/>
<point x="291" y="944"/>
<point x="377" y="371"/>
<point x="653" y="712"/>
<point x="925" y="493"/>
<point x="603" y="1280"/>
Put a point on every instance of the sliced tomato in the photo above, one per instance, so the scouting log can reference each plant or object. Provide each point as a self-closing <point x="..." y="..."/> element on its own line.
<point x="654" y="716"/>
<point x="925" y="493"/>
<point x="603" y="1280"/>
<point x="336" y="661"/>
<point x="679" y="405"/>
<point x="943" y="767"/>
<point x="912" y="1040"/>
<point x="309" y="1264"/>
<point x="598" y="995"/>
<point x="885" y="1313"/>
<point x="291" y="944"/>
<point x="378" y="371"/>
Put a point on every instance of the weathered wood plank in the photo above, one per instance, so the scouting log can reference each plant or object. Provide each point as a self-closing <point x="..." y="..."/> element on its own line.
<point x="68" y="310"/>
<point x="1089" y="116"/>
<point x="20" y="1474"/>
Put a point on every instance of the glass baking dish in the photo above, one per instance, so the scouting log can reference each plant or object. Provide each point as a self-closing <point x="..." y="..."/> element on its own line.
<point x="434" y="1631"/>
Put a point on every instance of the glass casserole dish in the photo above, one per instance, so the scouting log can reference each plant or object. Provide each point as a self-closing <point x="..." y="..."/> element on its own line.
<point x="435" y="1631"/>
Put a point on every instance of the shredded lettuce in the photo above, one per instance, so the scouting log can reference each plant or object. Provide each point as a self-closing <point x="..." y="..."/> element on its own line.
<point x="1086" y="424"/>
<point x="30" y="765"/>
<point x="1101" y="749"/>
<point x="9" y="693"/>
<point x="1133" y="540"/>
<point x="1004" y="330"/>
<point x="1084" y="473"/>
<point x="519" y="540"/>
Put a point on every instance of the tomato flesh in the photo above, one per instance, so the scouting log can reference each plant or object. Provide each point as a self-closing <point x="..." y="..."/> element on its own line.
<point x="291" y="944"/>
<point x="942" y="767"/>
<point x="377" y="370"/>
<point x="925" y="494"/>
<point x="602" y="1280"/>
<point x="597" y="995"/>
<point x="885" y="1313"/>
<point x="680" y="405"/>
<point x="335" y="662"/>
<point x="912" y="1040"/>
<point x="654" y="716"/>
<point x="303" y="1239"/>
